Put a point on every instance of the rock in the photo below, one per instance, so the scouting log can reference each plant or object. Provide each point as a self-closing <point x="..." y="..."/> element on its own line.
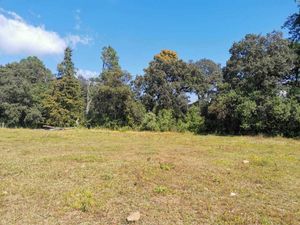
<point x="133" y="217"/>
<point x="232" y="194"/>
<point x="246" y="162"/>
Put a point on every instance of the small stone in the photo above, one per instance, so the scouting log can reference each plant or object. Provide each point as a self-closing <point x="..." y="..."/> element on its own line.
<point x="133" y="217"/>
<point x="232" y="194"/>
<point x="246" y="162"/>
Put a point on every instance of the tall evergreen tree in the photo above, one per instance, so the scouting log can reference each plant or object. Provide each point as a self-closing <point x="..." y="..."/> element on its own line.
<point x="110" y="58"/>
<point x="64" y="103"/>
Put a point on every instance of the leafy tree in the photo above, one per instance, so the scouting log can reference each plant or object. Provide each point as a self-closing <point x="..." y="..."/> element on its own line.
<point x="255" y="76"/>
<point x="110" y="105"/>
<point x="21" y="90"/>
<point x="221" y="112"/>
<point x="113" y="100"/>
<point x="64" y="104"/>
<point x="260" y="63"/>
<point x="293" y="25"/>
<point x="206" y="82"/>
<point x="164" y="84"/>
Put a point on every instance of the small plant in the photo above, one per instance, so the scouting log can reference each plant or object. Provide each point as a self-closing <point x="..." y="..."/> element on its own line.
<point x="161" y="190"/>
<point x="107" y="177"/>
<point x="167" y="166"/>
<point x="260" y="161"/>
<point x="80" y="199"/>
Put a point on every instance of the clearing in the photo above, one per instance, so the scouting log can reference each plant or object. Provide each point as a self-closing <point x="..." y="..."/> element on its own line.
<point x="100" y="177"/>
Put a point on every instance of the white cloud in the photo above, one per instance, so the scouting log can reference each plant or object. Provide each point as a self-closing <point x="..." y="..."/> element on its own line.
<point x="73" y="40"/>
<point x="19" y="37"/>
<point x="12" y="14"/>
<point x="87" y="73"/>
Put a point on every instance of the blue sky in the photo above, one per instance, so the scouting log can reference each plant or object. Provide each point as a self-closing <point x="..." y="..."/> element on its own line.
<point x="137" y="29"/>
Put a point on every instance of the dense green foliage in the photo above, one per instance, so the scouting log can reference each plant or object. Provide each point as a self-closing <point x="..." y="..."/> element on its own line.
<point x="164" y="85"/>
<point x="21" y="91"/>
<point x="255" y="94"/>
<point x="258" y="91"/>
<point x="63" y="104"/>
<point x="112" y="100"/>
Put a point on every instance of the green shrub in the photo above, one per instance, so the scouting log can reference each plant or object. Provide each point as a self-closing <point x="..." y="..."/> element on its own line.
<point x="135" y="113"/>
<point x="181" y="126"/>
<point x="195" y="123"/>
<point x="150" y="122"/>
<point x="165" y="120"/>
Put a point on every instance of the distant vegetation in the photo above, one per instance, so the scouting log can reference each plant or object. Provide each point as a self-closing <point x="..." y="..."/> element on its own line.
<point x="258" y="91"/>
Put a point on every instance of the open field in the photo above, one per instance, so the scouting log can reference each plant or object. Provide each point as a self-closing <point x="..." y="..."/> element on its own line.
<point x="100" y="177"/>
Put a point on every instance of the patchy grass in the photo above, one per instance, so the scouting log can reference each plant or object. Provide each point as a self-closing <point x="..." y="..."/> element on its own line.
<point x="80" y="199"/>
<point x="167" y="166"/>
<point x="100" y="177"/>
<point x="161" y="190"/>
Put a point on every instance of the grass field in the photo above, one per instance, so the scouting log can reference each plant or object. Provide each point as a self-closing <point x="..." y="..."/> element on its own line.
<point x="100" y="177"/>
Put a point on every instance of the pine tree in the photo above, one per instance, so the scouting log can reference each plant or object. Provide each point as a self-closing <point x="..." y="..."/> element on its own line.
<point x="64" y="104"/>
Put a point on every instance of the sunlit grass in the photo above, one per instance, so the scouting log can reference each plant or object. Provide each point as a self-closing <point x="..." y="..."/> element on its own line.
<point x="100" y="177"/>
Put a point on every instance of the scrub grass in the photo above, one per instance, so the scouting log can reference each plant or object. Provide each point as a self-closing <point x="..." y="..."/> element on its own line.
<point x="99" y="177"/>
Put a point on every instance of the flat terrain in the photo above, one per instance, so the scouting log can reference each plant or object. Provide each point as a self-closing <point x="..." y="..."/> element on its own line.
<point x="100" y="177"/>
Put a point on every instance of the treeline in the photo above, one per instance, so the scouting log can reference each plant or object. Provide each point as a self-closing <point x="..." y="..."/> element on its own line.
<point x="258" y="91"/>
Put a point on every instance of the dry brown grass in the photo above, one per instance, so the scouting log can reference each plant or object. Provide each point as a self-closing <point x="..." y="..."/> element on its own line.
<point x="100" y="177"/>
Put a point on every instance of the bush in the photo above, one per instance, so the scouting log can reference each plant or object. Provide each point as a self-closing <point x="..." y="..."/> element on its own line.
<point x="194" y="121"/>
<point x="181" y="126"/>
<point x="135" y="113"/>
<point x="165" y="120"/>
<point x="149" y="122"/>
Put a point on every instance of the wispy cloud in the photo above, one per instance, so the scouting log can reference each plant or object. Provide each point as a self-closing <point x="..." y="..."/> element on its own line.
<point x="77" y="18"/>
<point x="87" y="73"/>
<point x="13" y="15"/>
<point x="19" y="37"/>
<point x="36" y="15"/>
<point x="74" y="40"/>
